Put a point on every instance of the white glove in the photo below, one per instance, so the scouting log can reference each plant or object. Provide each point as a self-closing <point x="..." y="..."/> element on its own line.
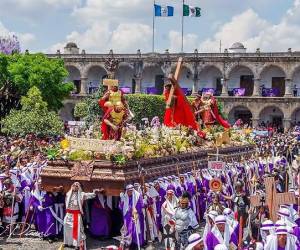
<point x="40" y="208"/>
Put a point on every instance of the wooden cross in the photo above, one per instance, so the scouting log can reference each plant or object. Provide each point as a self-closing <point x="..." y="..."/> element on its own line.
<point x="272" y="198"/>
<point x="174" y="79"/>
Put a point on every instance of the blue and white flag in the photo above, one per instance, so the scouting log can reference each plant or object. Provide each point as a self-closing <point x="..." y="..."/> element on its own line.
<point x="163" y="10"/>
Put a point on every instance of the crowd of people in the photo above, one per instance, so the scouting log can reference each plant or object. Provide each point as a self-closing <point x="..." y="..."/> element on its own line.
<point x="172" y="209"/>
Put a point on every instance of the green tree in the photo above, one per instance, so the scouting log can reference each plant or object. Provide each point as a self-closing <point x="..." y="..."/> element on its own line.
<point x="20" y="72"/>
<point x="33" y="118"/>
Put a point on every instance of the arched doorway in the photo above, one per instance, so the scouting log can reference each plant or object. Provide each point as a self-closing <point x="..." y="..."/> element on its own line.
<point x="240" y="112"/>
<point x="271" y="115"/>
<point x="74" y="77"/>
<point x="153" y="80"/>
<point x="210" y="77"/>
<point x="296" y="117"/>
<point x="95" y="76"/>
<point x="241" y="81"/>
<point x="273" y="78"/>
<point x="126" y="80"/>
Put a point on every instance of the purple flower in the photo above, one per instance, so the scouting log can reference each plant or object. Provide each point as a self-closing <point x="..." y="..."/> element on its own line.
<point x="9" y="45"/>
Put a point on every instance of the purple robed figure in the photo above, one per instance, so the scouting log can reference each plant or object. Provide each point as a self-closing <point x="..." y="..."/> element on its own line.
<point x="159" y="200"/>
<point x="132" y="208"/>
<point x="44" y="220"/>
<point x="100" y="217"/>
<point x="221" y="233"/>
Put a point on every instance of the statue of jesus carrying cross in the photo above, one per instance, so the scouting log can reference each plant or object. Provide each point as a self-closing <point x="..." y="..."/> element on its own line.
<point x="178" y="109"/>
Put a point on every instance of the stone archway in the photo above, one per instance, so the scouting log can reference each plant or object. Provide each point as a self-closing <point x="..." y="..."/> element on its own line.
<point x="240" y="112"/>
<point x="95" y="75"/>
<point x="273" y="77"/>
<point x="152" y="80"/>
<point x="74" y="77"/>
<point x="241" y="81"/>
<point x="125" y="75"/>
<point x="271" y="115"/>
<point x="295" y="118"/>
<point x="210" y="77"/>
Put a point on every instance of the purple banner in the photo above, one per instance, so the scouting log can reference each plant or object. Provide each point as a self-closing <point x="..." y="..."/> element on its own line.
<point x="209" y="90"/>
<point x="239" y="91"/>
<point x="270" y="92"/>
<point x="151" y="91"/>
<point x="126" y="90"/>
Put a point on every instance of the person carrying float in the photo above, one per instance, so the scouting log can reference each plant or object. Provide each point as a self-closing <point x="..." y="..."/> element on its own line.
<point x="73" y="223"/>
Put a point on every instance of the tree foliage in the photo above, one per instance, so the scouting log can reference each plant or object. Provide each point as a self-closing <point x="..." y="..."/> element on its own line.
<point x="20" y="72"/>
<point x="33" y="118"/>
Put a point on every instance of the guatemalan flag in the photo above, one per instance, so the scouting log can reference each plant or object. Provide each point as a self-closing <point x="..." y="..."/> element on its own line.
<point x="163" y="10"/>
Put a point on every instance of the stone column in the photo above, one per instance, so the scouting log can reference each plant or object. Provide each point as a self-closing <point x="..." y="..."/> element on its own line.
<point x="256" y="88"/>
<point x="138" y="85"/>
<point x="288" y="88"/>
<point x="83" y="85"/>
<point x="224" y="87"/>
<point x="287" y="124"/>
<point x="255" y="120"/>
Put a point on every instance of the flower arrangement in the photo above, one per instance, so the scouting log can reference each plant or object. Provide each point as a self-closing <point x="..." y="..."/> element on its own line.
<point x="156" y="140"/>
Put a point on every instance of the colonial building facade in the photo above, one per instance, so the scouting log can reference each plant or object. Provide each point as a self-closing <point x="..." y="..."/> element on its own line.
<point x="257" y="87"/>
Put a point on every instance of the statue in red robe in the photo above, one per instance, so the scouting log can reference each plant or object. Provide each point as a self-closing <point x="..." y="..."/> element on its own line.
<point x="111" y="97"/>
<point x="209" y="111"/>
<point x="113" y="122"/>
<point x="179" y="111"/>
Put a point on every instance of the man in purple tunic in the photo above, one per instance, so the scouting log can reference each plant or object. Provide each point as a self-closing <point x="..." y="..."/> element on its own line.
<point x="159" y="200"/>
<point x="45" y="222"/>
<point x="132" y="208"/>
<point x="100" y="216"/>
<point x="221" y="233"/>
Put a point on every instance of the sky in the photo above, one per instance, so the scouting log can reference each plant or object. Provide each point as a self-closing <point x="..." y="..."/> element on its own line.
<point x="126" y="25"/>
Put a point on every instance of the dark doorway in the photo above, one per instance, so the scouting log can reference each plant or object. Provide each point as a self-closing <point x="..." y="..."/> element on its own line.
<point x="247" y="83"/>
<point x="278" y="83"/>
<point x="159" y="84"/>
<point x="77" y="84"/>
<point x="243" y="114"/>
<point x="133" y="86"/>
<point x="277" y="121"/>
<point x="218" y="86"/>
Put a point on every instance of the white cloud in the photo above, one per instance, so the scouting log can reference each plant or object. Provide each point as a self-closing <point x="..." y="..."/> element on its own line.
<point x="25" y="38"/>
<point x="190" y="41"/>
<point x="99" y="38"/>
<point x="124" y="29"/>
<point x="131" y="36"/>
<point x="29" y="5"/>
<point x="255" y="32"/>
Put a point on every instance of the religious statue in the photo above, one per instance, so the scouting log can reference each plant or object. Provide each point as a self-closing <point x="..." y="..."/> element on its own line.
<point x="178" y="109"/>
<point x="113" y="122"/>
<point x="209" y="111"/>
<point x="112" y="95"/>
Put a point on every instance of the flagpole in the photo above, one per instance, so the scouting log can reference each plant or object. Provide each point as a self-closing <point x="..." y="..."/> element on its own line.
<point x="153" y="26"/>
<point x="182" y="18"/>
